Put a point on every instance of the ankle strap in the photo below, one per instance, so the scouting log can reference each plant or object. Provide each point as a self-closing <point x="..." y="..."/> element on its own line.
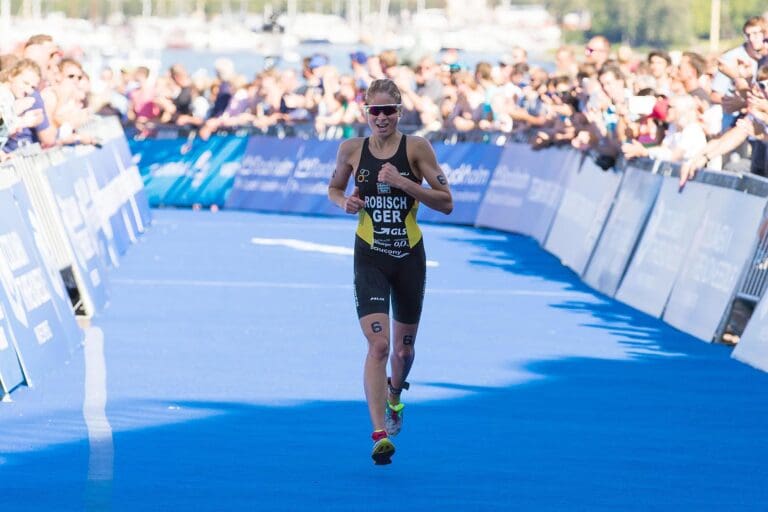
<point x="396" y="391"/>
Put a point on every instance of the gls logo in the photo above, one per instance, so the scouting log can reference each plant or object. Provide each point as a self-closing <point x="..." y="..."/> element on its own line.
<point x="362" y="176"/>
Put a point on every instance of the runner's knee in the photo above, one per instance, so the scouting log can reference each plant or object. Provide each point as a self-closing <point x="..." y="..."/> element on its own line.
<point x="404" y="352"/>
<point x="378" y="347"/>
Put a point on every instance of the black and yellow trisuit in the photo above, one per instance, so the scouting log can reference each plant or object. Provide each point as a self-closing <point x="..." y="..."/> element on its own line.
<point x="389" y="252"/>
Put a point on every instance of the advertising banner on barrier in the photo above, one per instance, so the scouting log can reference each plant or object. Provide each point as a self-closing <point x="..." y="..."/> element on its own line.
<point x="307" y="186"/>
<point x="721" y="246"/>
<point x="133" y="181"/>
<point x="526" y="189"/>
<point x="123" y="189"/>
<point x="627" y="218"/>
<point x="664" y="246"/>
<point x="29" y="287"/>
<point x="88" y="227"/>
<point x="111" y="199"/>
<point x="60" y="297"/>
<point x="74" y="187"/>
<point x="468" y="168"/>
<point x="582" y="213"/>
<point x="187" y="172"/>
<point x="262" y="181"/>
<point x="162" y="163"/>
<point x="211" y="167"/>
<point x="11" y="374"/>
<point x="503" y="205"/>
<point x="753" y="345"/>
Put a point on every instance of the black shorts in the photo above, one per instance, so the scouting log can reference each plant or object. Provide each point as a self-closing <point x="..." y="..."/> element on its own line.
<point x="379" y="278"/>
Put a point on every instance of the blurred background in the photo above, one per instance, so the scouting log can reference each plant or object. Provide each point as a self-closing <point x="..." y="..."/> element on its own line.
<point x="250" y="31"/>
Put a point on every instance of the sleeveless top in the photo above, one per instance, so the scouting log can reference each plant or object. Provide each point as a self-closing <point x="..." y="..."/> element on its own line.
<point x="387" y="222"/>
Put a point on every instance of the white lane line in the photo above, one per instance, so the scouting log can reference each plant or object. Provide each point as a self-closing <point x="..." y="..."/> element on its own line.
<point x="343" y="225"/>
<point x="303" y="245"/>
<point x="322" y="286"/>
<point x="101" y="454"/>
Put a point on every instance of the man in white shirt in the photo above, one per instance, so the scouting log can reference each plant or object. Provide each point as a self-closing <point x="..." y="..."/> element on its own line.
<point x="744" y="55"/>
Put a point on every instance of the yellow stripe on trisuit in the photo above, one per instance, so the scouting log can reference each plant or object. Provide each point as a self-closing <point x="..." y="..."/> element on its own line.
<point x="411" y="227"/>
<point x="365" y="227"/>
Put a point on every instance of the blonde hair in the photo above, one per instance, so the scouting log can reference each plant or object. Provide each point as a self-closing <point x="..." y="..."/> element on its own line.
<point x="388" y="58"/>
<point x="383" y="85"/>
<point x="22" y="65"/>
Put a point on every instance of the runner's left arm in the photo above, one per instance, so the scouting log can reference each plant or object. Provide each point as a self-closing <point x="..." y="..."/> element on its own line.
<point x="438" y="195"/>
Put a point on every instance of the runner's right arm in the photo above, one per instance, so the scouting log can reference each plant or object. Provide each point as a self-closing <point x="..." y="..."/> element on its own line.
<point x="338" y="184"/>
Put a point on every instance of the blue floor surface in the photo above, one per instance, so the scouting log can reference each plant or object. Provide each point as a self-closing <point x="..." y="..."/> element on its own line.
<point x="230" y="378"/>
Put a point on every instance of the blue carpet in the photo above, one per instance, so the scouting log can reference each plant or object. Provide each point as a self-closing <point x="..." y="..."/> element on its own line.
<point x="234" y="382"/>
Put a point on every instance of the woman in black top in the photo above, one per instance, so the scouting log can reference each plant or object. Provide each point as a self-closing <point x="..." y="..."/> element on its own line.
<point x="388" y="168"/>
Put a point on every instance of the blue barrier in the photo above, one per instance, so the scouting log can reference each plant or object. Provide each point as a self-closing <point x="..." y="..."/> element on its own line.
<point x="62" y="303"/>
<point x="526" y="189"/>
<point x="307" y="184"/>
<point x="31" y="292"/>
<point x="118" y="192"/>
<point x="468" y="168"/>
<point x="582" y="213"/>
<point x="11" y="374"/>
<point x="210" y="170"/>
<point x="262" y="182"/>
<point x="162" y="163"/>
<point x="291" y="176"/>
<point x="503" y="206"/>
<point x="625" y="223"/>
<point x="109" y="201"/>
<point x="753" y="345"/>
<point x="89" y="228"/>
<point x="664" y="246"/>
<point x="134" y="183"/>
<point x="181" y="172"/>
<point x="65" y="214"/>
<point x="713" y="263"/>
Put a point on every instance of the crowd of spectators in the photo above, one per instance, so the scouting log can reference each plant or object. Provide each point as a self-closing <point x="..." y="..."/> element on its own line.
<point x="678" y="106"/>
<point x="43" y="97"/>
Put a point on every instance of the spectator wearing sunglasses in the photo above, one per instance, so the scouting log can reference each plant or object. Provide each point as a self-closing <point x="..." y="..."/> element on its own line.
<point x="68" y="106"/>
<point x="388" y="169"/>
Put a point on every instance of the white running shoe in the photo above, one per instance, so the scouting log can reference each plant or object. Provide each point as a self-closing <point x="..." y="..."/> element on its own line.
<point x="393" y="418"/>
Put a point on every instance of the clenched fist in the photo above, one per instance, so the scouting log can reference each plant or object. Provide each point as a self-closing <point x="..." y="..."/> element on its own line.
<point x="353" y="202"/>
<point x="390" y="175"/>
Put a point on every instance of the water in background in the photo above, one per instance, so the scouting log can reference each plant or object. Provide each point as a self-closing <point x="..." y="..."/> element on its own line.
<point x="248" y="63"/>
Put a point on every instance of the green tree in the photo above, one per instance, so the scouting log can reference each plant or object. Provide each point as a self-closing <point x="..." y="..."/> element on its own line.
<point x="659" y="22"/>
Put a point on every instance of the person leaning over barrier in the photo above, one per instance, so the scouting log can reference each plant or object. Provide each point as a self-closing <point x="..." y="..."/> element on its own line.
<point x="388" y="169"/>
<point x="686" y="137"/>
<point x="25" y="115"/>
<point x="752" y="126"/>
